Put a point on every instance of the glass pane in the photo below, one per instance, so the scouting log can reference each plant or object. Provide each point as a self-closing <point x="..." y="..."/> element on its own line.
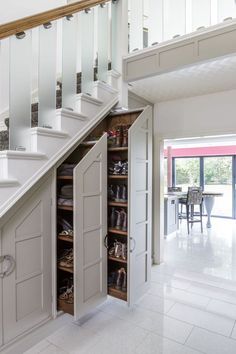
<point x="47" y="74"/>
<point x="69" y="60"/>
<point x="218" y="178"/>
<point x="87" y="56"/>
<point x="102" y="29"/>
<point x="136" y="24"/>
<point x="187" y="172"/>
<point x="20" y="90"/>
<point x="174" y="18"/>
<point x="201" y="13"/>
<point x="226" y="8"/>
<point x="165" y="175"/>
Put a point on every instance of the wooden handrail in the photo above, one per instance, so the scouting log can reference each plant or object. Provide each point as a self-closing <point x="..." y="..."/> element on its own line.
<point x="29" y="22"/>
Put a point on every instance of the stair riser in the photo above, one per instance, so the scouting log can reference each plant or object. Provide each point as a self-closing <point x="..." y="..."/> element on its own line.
<point x="19" y="169"/>
<point x="103" y="94"/>
<point x="86" y="108"/>
<point x="69" y="125"/>
<point x="113" y="81"/>
<point x="47" y="144"/>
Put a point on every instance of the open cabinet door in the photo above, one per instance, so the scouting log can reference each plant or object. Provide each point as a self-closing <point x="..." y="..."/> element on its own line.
<point x="90" y="225"/>
<point x="140" y="205"/>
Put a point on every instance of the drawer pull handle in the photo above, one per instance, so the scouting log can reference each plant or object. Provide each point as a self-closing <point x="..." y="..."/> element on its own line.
<point x="10" y="267"/>
<point x="134" y="242"/>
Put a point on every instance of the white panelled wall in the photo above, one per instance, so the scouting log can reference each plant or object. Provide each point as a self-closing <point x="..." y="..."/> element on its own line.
<point x="165" y="19"/>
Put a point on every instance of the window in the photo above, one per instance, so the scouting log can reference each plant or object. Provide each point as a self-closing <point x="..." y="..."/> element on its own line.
<point x="187" y="172"/>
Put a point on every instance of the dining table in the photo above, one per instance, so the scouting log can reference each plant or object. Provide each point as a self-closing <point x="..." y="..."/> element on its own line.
<point x="208" y="198"/>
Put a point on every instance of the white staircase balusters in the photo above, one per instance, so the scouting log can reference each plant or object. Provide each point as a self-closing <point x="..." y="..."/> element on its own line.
<point x="87" y="50"/>
<point x="69" y="61"/>
<point x="47" y="74"/>
<point x="102" y="41"/>
<point x="20" y="90"/>
<point x="174" y="18"/>
<point x="136" y="25"/>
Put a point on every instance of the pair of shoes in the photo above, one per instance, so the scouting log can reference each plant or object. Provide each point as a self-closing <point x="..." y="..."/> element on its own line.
<point x="66" y="259"/>
<point x="118" y="167"/>
<point x="118" y="250"/>
<point x="118" y="137"/>
<point x="67" y="294"/>
<point x="118" y="193"/>
<point x="118" y="219"/>
<point x="121" y="280"/>
<point x="67" y="233"/>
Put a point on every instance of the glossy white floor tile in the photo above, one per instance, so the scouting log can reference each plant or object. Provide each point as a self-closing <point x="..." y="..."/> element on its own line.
<point x="222" y="308"/>
<point x="201" y="318"/>
<point x="210" y="343"/>
<point x="154" y="344"/>
<point x="190" y="307"/>
<point x="179" y="295"/>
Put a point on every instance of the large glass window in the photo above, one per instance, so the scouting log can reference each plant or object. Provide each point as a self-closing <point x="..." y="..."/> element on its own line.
<point x="187" y="172"/>
<point x="218" y="178"/>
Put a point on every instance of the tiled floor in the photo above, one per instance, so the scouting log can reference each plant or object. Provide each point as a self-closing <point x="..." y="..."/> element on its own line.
<point x="190" y="308"/>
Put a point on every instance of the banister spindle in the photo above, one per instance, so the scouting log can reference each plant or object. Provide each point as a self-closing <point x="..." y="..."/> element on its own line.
<point x="20" y="90"/>
<point x="47" y="74"/>
<point x="201" y="13"/>
<point x="155" y="31"/>
<point x="174" y="18"/>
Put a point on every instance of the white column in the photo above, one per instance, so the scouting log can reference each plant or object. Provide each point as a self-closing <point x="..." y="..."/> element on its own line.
<point x="201" y="13"/>
<point x="158" y="197"/>
<point x="174" y="18"/>
<point x="136" y="24"/>
<point x="155" y="33"/>
<point x="120" y="45"/>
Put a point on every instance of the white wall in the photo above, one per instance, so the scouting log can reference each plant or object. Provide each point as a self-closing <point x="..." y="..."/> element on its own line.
<point x="11" y="10"/>
<point x="200" y="116"/>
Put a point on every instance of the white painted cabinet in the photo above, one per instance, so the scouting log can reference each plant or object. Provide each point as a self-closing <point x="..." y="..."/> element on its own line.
<point x="27" y="290"/>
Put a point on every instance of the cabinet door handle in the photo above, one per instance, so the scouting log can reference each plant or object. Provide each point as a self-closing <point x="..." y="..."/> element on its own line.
<point x="106" y="242"/>
<point x="10" y="267"/>
<point x="134" y="242"/>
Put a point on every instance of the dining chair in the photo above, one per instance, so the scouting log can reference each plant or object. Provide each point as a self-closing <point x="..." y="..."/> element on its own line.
<point x="194" y="198"/>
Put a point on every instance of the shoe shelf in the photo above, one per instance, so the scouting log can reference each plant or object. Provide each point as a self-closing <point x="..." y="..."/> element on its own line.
<point x="65" y="207"/>
<point x="64" y="238"/>
<point x="118" y="204"/>
<point x="118" y="232"/>
<point x="118" y="176"/>
<point x="65" y="178"/>
<point x="122" y="295"/>
<point x="68" y="270"/>
<point x="117" y="149"/>
<point x="62" y="305"/>
<point x="115" y="259"/>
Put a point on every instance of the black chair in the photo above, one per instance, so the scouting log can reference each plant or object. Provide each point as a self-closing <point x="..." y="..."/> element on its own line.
<point x="194" y="197"/>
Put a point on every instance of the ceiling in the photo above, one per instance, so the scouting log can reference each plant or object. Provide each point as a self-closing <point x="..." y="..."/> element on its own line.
<point x="213" y="76"/>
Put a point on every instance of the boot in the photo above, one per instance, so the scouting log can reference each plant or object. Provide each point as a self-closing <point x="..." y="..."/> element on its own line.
<point x="119" y="279"/>
<point x="118" y="220"/>
<point x="125" y="136"/>
<point x="111" y="194"/>
<point x="124" y="283"/>
<point x="119" y="134"/>
<point x="113" y="218"/>
<point x="118" y="249"/>
<point x="123" y="220"/>
<point x="124" y="194"/>
<point x="124" y="251"/>
<point x="117" y="194"/>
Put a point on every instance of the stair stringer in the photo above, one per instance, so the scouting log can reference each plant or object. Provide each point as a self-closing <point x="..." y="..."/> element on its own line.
<point x="16" y="193"/>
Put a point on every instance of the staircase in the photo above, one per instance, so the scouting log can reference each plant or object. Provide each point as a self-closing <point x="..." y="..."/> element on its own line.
<point x="94" y="95"/>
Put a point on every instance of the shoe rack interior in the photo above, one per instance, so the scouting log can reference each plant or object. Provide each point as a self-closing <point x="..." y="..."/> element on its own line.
<point x="116" y="125"/>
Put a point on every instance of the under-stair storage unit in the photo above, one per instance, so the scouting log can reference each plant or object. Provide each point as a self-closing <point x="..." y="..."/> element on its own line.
<point x="26" y="266"/>
<point x="81" y="230"/>
<point x="104" y="215"/>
